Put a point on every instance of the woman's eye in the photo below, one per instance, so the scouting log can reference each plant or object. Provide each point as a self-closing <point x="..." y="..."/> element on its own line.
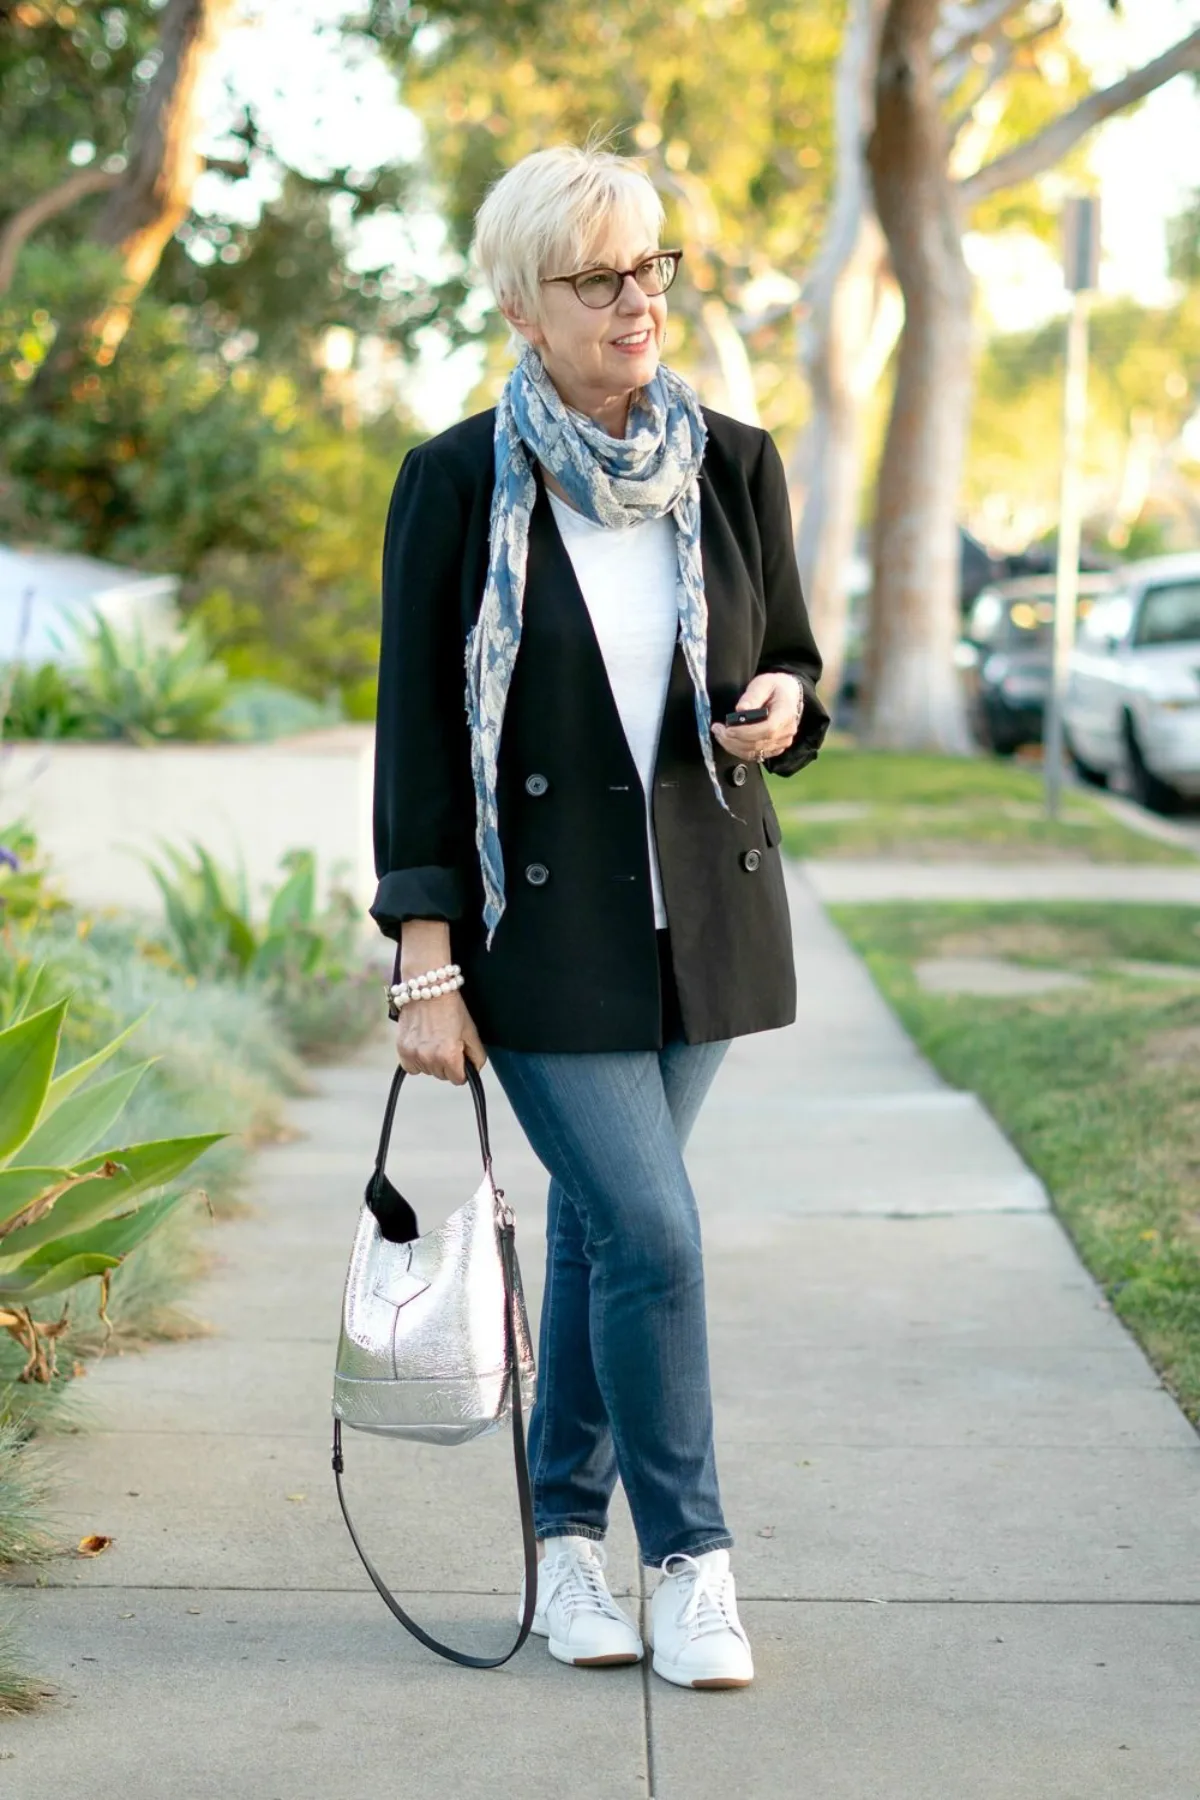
<point x="595" y="283"/>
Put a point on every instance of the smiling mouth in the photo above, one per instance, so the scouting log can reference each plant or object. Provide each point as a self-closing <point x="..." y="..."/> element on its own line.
<point x="634" y="340"/>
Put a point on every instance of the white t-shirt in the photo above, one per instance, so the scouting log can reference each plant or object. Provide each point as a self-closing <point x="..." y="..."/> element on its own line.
<point x="627" y="577"/>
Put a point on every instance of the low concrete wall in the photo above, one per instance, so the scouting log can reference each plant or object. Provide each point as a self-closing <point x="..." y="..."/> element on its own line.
<point x="97" y="808"/>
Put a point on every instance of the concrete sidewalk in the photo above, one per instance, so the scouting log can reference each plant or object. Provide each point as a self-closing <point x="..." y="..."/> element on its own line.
<point x="968" y="1515"/>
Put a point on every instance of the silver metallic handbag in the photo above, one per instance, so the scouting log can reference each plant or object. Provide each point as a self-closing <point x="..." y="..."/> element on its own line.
<point x="435" y="1343"/>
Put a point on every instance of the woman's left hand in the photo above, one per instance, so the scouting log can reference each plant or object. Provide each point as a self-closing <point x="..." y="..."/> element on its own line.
<point x="783" y="696"/>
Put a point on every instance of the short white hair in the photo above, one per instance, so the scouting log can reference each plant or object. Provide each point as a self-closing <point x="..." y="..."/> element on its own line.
<point x="544" y="214"/>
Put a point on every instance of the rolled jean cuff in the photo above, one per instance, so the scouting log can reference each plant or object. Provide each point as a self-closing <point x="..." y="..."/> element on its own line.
<point x="720" y="1541"/>
<point x="595" y="1533"/>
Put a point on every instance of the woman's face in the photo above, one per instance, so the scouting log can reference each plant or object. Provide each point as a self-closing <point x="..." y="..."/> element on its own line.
<point x="594" y="354"/>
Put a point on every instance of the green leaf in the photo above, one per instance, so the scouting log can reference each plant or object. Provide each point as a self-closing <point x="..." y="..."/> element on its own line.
<point x="144" y="1166"/>
<point x="294" y="902"/>
<point x="32" y="988"/>
<point x="19" y="1186"/>
<point x="113" y="1237"/>
<point x="178" y="918"/>
<point x="270" y="953"/>
<point x="27" y="1053"/>
<point x="221" y="888"/>
<point x="64" y="1085"/>
<point x="18" y="1287"/>
<point x="240" y="938"/>
<point x="80" y="1124"/>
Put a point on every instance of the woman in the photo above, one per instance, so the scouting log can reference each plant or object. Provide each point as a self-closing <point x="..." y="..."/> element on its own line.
<point x="614" y="564"/>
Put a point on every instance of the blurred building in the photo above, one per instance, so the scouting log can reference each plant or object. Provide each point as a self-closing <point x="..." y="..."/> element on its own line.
<point x="45" y="594"/>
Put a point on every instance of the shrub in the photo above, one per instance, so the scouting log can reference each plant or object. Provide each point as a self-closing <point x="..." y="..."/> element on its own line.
<point x="25" y="891"/>
<point x="139" y="691"/>
<point x="259" y="711"/>
<point x="306" y="959"/>
<point x="43" y="702"/>
<point x="128" y="688"/>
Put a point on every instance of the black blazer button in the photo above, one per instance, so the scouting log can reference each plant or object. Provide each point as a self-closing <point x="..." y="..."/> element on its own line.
<point x="738" y="774"/>
<point x="751" y="859"/>
<point x="537" y="874"/>
<point x="536" y="784"/>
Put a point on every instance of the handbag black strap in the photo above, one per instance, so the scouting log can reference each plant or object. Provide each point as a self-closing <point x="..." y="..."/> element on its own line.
<point x="389" y="1114"/>
<point x="513" y="1378"/>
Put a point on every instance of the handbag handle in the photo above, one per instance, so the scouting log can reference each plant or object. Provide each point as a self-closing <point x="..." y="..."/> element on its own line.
<point x="508" y="1255"/>
<point x="389" y="1113"/>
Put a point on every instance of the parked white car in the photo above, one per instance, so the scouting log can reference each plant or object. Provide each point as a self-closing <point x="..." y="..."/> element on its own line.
<point x="1133" y="694"/>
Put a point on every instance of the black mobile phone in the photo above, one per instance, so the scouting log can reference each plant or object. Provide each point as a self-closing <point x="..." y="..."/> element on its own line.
<point x="753" y="715"/>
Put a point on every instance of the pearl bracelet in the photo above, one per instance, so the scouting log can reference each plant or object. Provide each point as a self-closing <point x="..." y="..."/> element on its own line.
<point x="428" y="986"/>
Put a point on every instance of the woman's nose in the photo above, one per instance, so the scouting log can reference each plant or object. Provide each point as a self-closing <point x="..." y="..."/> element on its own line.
<point x="632" y="298"/>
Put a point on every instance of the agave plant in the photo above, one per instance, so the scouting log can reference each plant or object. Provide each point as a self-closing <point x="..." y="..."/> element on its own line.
<point x="43" y="701"/>
<point x="66" y="1190"/>
<point x="213" y="931"/>
<point x="144" y="691"/>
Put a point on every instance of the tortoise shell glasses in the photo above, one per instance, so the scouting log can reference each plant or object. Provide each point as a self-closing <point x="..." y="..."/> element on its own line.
<point x="602" y="287"/>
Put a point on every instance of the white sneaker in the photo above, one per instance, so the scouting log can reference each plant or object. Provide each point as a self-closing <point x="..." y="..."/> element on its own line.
<point x="575" y="1610"/>
<point x="698" y="1638"/>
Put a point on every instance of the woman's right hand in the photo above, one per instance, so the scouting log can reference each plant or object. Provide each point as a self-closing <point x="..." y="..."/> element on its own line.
<point x="434" y="1036"/>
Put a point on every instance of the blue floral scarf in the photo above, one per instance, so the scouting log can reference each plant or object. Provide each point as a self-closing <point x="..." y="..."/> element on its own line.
<point x="613" y="481"/>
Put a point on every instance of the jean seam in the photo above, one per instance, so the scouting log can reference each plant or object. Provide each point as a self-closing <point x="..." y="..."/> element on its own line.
<point x="548" y="1387"/>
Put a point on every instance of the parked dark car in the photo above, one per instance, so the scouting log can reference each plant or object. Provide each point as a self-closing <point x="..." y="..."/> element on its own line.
<point x="1006" y="655"/>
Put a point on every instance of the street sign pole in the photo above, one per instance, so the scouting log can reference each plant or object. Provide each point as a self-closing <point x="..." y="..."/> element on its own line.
<point x="1081" y="262"/>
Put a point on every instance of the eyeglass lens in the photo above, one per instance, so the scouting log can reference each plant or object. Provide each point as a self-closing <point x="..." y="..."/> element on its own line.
<point x="600" y="287"/>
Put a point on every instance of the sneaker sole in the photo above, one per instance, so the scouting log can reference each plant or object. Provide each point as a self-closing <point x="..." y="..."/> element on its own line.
<point x="620" y="1659"/>
<point x="672" y="1672"/>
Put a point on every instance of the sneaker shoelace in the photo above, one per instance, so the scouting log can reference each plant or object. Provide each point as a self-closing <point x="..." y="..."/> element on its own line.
<point x="706" y="1608"/>
<point x="578" y="1584"/>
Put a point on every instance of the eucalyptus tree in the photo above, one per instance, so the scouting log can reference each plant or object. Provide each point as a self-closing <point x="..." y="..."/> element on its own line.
<point x="913" y="697"/>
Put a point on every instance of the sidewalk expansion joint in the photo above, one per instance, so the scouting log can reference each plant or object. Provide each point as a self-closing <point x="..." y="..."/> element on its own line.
<point x="95" y="1587"/>
<point x="647" y="1676"/>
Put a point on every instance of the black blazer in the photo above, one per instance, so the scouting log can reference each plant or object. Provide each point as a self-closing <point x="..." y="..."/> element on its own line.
<point x="574" y="962"/>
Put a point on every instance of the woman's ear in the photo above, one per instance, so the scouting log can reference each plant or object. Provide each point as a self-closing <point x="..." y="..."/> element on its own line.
<point x="525" y="328"/>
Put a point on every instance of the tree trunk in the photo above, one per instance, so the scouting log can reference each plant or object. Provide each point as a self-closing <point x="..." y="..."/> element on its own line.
<point x="853" y="331"/>
<point x="914" y="700"/>
<point x="143" y="214"/>
<point x="735" y="371"/>
<point x="153" y="194"/>
<point x="847" y="313"/>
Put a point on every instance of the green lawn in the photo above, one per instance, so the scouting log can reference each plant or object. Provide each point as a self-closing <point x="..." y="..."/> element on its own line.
<point x="1099" y="1088"/>
<point x="941" y="808"/>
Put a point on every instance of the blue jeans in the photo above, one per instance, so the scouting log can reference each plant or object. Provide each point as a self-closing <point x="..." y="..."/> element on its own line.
<point x="623" y="1383"/>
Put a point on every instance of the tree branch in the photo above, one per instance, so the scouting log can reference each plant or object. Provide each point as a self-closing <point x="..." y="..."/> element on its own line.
<point x="237" y="170"/>
<point x="994" y="71"/>
<point x="1051" y="145"/>
<point x="36" y="213"/>
<point x="1002" y="61"/>
<point x="960" y="28"/>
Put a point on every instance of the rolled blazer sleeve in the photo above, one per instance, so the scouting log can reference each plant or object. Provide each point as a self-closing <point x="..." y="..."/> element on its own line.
<point x="788" y="643"/>
<point x="423" y="812"/>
